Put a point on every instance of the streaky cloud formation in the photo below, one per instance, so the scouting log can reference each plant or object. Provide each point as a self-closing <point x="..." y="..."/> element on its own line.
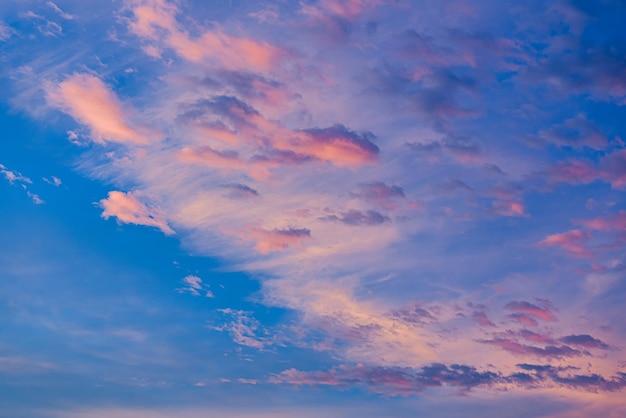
<point x="327" y="207"/>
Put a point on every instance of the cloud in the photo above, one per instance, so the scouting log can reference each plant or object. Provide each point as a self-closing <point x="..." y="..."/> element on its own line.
<point x="5" y="32"/>
<point x="128" y="208"/>
<point x="294" y="165"/>
<point x="393" y="380"/>
<point x="385" y="196"/>
<point x="575" y="172"/>
<point x="269" y="144"/>
<point x="461" y="149"/>
<point x="482" y="319"/>
<point x="90" y="102"/>
<point x="60" y="12"/>
<point x="155" y="21"/>
<point x="589" y="382"/>
<point x="523" y="350"/>
<point x="595" y="70"/>
<point x="584" y="340"/>
<point x="615" y="223"/>
<point x="54" y="181"/>
<point x="243" y="328"/>
<point x="407" y="381"/>
<point x="278" y="239"/>
<point x="357" y="218"/>
<point x="195" y="286"/>
<point x="575" y="132"/>
<point x="574" y="242"/>
<point x="543" y="312"/>
<point x="240" y="191"/>
<point x="14" y="177"/>
<point x="508" y="208"/>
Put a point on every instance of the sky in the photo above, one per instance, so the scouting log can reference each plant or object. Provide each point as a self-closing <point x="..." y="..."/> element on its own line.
<point x="337" y="208"/>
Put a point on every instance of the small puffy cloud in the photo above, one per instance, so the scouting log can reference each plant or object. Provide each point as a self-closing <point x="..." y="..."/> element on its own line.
<point x="243" y="328"/>
<point x="194" y="286"/>
<point x="53" y="181"/>
<point x="35" y="198"/>
<point x="90" y="102"/>
<point x="127" y="208"/>
<point x="14" y="176"/>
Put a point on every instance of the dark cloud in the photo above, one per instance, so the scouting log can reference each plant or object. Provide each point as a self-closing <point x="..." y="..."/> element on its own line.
<point x="392" y="380"/>
<point x="240" y="191"/>
<point x="584" y="340"/>
<point x="562" y="376"/>
<point x="576" y="132"/>
<point x="247" y="84"/>
<point x="482" y="319"/>
<point x="358" y="218"/>
<point x="281" y="157"/>
<point x="342" y="137"/>
<point x="413" y="314"/>
<point x="548" y="351"/>
<point x="597" y="71"/>
<point x="205" y="110"/>
<point x="410" y="381"/>
<point x="385" y="196"/>
<point x="459" y="148"/>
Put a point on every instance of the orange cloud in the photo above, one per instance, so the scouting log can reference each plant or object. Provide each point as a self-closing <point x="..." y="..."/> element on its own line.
<point x="88" y="100"/>
<point x="128" y="209"/>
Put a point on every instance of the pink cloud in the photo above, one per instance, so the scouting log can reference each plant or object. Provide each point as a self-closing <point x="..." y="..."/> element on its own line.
<point x="482" y="319"/>
<point x="509" y="208"/>
<point x="612" y="223"/>
<point x="348" y="9"/>
<point x="337" y="144"/>
<point x="575" y="171"/>
<point x="543" y="313"/>
<point x="549" y="351"/>
<point x="127" y="208"/>
<point x="523" y="319"/>
<point x="155" y="20"/>
<point x="88" y="100"/>
<point x="574" y="242"/>
<point x="389" y="197"/>
<point x="279" y="145"/>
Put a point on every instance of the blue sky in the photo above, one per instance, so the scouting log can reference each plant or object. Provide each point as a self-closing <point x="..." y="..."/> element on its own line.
<point x="317" y="208"/>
